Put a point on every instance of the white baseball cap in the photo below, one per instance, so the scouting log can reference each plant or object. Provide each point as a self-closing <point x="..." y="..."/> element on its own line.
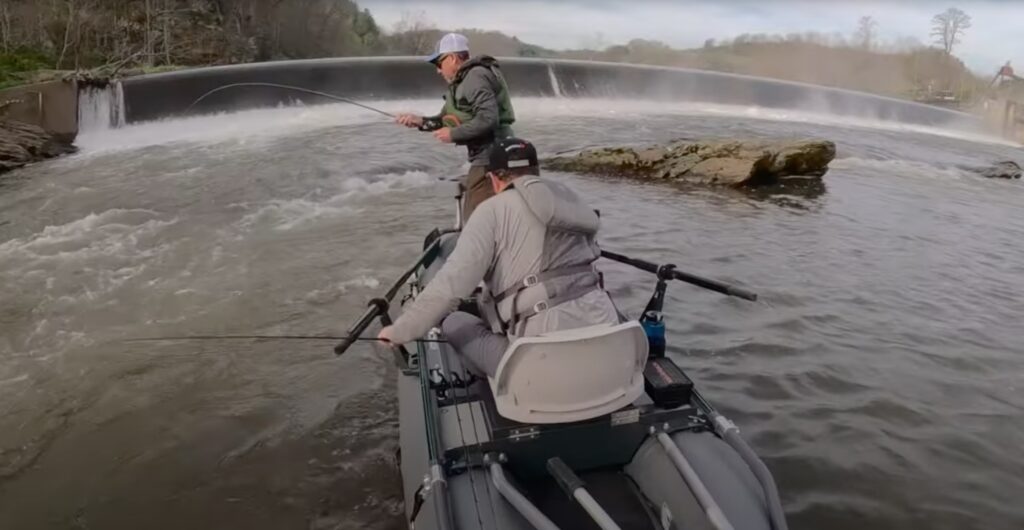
<point x="450" y="43"/>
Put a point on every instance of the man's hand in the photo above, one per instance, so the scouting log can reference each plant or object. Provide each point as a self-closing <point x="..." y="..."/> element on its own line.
<point x="385" y="336"/>
<point x="409" y="120"/>
<point x="444" y="135"/>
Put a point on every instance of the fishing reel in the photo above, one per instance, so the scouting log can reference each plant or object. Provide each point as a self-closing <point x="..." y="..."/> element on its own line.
<point x="432" y="124"/>
<point x="441" y="385"/>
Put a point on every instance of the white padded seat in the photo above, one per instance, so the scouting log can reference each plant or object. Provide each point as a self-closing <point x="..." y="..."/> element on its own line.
<point x="571" y="375"/>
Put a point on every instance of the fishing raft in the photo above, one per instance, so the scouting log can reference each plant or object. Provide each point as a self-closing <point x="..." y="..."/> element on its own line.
<point x="593" y="428"/>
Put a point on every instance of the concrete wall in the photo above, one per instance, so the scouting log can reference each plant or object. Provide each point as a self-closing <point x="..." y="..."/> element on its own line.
<point x="52" y="106"/>
<point x="162" y="95"/>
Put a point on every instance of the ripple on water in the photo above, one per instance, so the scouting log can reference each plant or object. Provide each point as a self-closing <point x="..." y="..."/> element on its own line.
<point x="879" y="376"/>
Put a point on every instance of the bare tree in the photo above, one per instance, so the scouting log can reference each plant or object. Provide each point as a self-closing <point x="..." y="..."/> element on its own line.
<point x="149" y="33"/>
<point x="416" y="33"/>
<point x="948" y="27"/>
<point x="70" y="23"/>
<point x="167" y="13"/>
<point x="5" y="25"/>
<point x="866" y="29"/>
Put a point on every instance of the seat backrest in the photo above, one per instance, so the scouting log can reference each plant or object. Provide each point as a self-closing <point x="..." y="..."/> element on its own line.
<point x="571" y="375"/>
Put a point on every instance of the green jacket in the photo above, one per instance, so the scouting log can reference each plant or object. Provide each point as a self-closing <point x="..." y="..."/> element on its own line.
<point x="477" y="107"/>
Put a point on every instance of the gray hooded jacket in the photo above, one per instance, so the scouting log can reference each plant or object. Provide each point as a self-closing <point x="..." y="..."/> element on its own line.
<point x="538" y="225"/>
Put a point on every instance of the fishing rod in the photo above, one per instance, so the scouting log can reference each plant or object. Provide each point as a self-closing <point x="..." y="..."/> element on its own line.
<point x="271" y="337"/>
<point x="378" y="307"/>
<point x="288" y="87"/>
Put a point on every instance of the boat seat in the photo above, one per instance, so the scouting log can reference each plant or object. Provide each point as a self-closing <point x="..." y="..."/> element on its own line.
<point x="571" y="375"/>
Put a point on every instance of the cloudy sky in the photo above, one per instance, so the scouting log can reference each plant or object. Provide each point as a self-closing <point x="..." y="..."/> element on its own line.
<point x="997" y="34"/>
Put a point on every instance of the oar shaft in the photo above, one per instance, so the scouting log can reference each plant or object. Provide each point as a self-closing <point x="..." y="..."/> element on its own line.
<point x="711" y="285"/>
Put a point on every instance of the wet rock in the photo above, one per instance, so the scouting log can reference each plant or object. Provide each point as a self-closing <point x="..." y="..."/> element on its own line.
<point x="21" y="144"/>
<point x="716" y="163"/>
<point x="1006" y="169"/>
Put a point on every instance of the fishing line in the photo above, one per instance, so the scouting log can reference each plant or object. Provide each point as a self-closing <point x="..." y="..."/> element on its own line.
<point x="288" y="87"/>
<point x="268" y="337"/>
<point x="443" y="364"/>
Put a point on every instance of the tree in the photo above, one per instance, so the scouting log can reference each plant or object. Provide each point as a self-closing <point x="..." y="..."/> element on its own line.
<point x="366" y="29"/>
<point x="865" y="36"/>
<point x="5" y="26"/>
<point x="948" y="27"/>
<point x="414" y="33"/>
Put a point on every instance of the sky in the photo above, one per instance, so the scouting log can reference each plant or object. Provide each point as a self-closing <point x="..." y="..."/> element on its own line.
<point x="996" y="36"/>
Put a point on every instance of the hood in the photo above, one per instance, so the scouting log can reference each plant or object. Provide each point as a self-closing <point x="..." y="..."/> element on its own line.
<point x="557" y="206"/>
<point x="480" y="60"/>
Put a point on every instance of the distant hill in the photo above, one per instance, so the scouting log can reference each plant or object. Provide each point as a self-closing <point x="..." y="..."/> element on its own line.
<point x="920" y="73"/>
<point x="116" y="37"/>
<point x="496" y="43"/>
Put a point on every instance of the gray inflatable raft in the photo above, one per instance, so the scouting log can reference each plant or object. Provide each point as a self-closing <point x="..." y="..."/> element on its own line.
<point x="664" y="460"/>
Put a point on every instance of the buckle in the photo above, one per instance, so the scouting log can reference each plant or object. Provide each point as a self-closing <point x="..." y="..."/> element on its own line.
<point x="540" y="306"/>
<point x="530" y="280"/>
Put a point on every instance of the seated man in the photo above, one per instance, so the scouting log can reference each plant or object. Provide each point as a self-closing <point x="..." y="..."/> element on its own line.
<point x="533" y="244"/>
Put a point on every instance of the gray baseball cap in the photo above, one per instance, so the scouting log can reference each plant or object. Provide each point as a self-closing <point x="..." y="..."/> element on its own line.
<point x="450" y="43"/>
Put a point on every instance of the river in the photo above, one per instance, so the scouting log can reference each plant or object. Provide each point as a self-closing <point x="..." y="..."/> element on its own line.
<point x="881" y="375"/>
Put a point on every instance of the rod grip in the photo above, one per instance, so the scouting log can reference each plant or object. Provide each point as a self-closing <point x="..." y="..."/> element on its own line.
<point x="377" y="307"/>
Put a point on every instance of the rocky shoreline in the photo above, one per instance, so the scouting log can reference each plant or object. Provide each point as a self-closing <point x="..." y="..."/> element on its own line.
<point x="22" y="144"/>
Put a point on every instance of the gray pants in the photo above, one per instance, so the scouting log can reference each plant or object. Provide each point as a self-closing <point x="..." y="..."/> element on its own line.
<point x="481" y="349"/>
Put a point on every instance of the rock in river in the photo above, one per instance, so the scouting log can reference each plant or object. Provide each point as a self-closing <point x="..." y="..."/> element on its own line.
<point x="736" y="163"/>
<point x="21" y="143"/>
<point x="1007" y="169"/>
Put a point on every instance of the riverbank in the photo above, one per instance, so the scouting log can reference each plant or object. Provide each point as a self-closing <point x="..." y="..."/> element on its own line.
<point x="22" y="144"/>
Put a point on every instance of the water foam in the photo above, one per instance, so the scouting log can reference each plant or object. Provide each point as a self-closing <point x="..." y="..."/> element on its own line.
<point x="284" y="120"/>
<point x="289" y="120"/>
<point x="900" y="167"/>
<point x="334" y="291"/>
<point x="288" y="214"/>
<point x="103" y="233"/>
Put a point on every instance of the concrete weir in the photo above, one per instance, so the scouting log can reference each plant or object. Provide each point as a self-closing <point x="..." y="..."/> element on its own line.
<point x="158" y="96"/>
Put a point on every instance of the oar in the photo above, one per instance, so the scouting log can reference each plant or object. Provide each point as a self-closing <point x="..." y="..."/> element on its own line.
<point x="711" y="285"/>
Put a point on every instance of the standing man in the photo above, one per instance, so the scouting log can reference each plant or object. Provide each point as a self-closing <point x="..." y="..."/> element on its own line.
<point x="477" y="111"/>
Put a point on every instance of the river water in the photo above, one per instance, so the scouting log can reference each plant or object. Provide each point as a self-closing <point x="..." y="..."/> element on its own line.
<point x="881" y="377"/>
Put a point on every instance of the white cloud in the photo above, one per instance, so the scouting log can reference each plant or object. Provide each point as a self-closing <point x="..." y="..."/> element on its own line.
<point x="996" y="35"/>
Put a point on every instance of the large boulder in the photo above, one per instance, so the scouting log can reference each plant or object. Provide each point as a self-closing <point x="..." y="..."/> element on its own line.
<point x="21" y="144"/>
<point x="717" y="163"/>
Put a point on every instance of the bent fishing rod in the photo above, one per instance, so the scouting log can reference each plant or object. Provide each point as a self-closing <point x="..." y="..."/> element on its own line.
<point x="289" y="87"/>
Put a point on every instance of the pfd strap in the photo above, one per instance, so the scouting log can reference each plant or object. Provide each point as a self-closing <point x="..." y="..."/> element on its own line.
<point x="534" y="279"/>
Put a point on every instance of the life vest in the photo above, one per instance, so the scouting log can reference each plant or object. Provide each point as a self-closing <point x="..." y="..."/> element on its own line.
<point x="567" y="271"/>
<point x="458" y="111"/>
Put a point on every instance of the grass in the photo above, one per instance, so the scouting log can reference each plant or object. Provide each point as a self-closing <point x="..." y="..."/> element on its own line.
<point x="22" y="66"/>
<point x="26" y="67"/>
